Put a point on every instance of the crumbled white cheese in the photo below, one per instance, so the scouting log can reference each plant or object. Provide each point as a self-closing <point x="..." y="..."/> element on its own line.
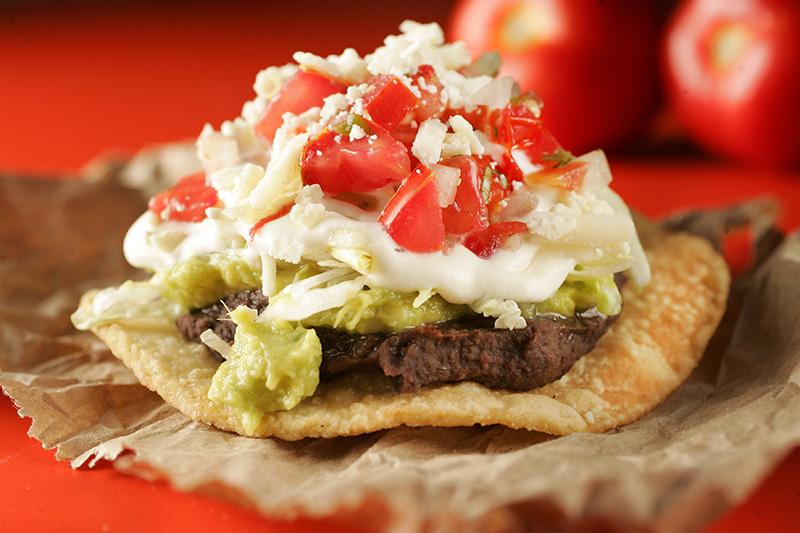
<point x="507" y="312"/>
<point x="357" y="132"/>
<point x="310" y="194"/>
<point x="252" y="110"/>
<point x="587" y="202"/>
<point x="308" y="210"/>
<point x="427" y="145"/>
<point x="270" y="80"/>
<point x="463" y="140"/>
<point x="217" y="151"/>
<point x="283" y="248"/>
<point x="418" y="44"/>
<point x="348" y="67"/>
<point x="333" y="106"/>
<point x="308" y="216"/>
<point x="281" y="181"/>
<point x="307" y="121"/>
<point x="235" y="183"/>
<point x="551" y="226"/>
<point x="354" y="92"/>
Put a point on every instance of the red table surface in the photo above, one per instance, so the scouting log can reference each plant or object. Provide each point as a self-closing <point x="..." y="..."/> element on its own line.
<point x="83" y="79"/>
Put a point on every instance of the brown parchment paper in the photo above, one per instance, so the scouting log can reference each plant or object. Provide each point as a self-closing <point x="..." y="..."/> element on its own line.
<point x="677" y="469"/>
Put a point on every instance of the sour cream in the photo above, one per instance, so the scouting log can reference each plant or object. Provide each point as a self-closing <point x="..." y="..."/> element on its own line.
<point x="456" y="273"/>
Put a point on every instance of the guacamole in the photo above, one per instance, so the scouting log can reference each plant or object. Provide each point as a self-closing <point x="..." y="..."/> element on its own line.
<point x="272" y="366"/>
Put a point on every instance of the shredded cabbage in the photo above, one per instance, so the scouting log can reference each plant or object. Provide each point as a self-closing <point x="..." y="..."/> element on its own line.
<point x="132" y="299"/>
<point x="304" y="298"/>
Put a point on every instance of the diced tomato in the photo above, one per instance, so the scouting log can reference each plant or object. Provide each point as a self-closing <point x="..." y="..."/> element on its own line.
<point x="413" y="217"/>
<point x="495" y="188"/>
<point x="510" y="168"/>
<point x="260" y="224"/>
<point x="544" y="150"/>
<point x="468" y="210"/>
<point x="406" y="134"/>
<point x="304" y="90"/>
<point x="569" y="177"/>
<point x="185" y="201"/>
<point x="484" y="242"/>
<point x="339" y="164"/>
<point x="389" y="102"/>
<point x="518" y="126"/>
<point x="431" y="102"/>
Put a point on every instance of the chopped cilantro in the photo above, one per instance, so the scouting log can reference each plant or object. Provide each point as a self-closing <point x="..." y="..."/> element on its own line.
<point x="560" y="157"/>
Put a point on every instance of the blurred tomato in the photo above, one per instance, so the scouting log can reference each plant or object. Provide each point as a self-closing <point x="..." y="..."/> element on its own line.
<point x="733" y="76"/>
<point x="593" y="62"/>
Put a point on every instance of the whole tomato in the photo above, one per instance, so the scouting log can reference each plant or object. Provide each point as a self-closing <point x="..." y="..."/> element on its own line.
<point x="593" y="62"/>
<point x="732" y="70"/>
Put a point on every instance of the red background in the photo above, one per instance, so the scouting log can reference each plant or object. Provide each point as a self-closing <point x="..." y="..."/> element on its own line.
<point x="78" y="80"/>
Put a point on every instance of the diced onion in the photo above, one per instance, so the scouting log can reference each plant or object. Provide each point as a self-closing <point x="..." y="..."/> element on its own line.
<point x="598" y="175"/>
<point x="486" y="64"/>
<point x="447" y="179"/>
<point x="496" y="93"/>
<point x="519" y="203"/>
<point x="215" y="342"/>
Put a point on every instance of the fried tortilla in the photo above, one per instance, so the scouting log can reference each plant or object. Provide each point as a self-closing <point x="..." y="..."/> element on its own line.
<point x="647" y="353"/>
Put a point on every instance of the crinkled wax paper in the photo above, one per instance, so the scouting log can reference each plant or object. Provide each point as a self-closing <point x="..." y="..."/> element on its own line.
<point x="677" y="469"/>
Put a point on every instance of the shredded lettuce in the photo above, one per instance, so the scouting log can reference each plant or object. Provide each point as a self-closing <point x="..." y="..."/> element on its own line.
<point x="132" y="299"/>
<point x="640" y="272"/>
<point x="327" y="290"/>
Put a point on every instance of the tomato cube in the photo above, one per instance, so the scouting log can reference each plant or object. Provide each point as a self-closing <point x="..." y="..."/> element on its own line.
<point x="304" y="90"/>
<point x="185" y="201"/>
<point x="486" y="241"/>
<point x="389" y="102"/>
<point x="339" y="164"/>
<point x="413" y="217"/>
<point x="468" y="210"/>
<point x="431" y="100"/>
<point x="569" y="177"/>
<point x="519" y="127"/>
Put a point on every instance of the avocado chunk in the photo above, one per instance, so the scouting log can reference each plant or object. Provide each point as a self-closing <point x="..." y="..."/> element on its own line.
<point x="272" y="366"/>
